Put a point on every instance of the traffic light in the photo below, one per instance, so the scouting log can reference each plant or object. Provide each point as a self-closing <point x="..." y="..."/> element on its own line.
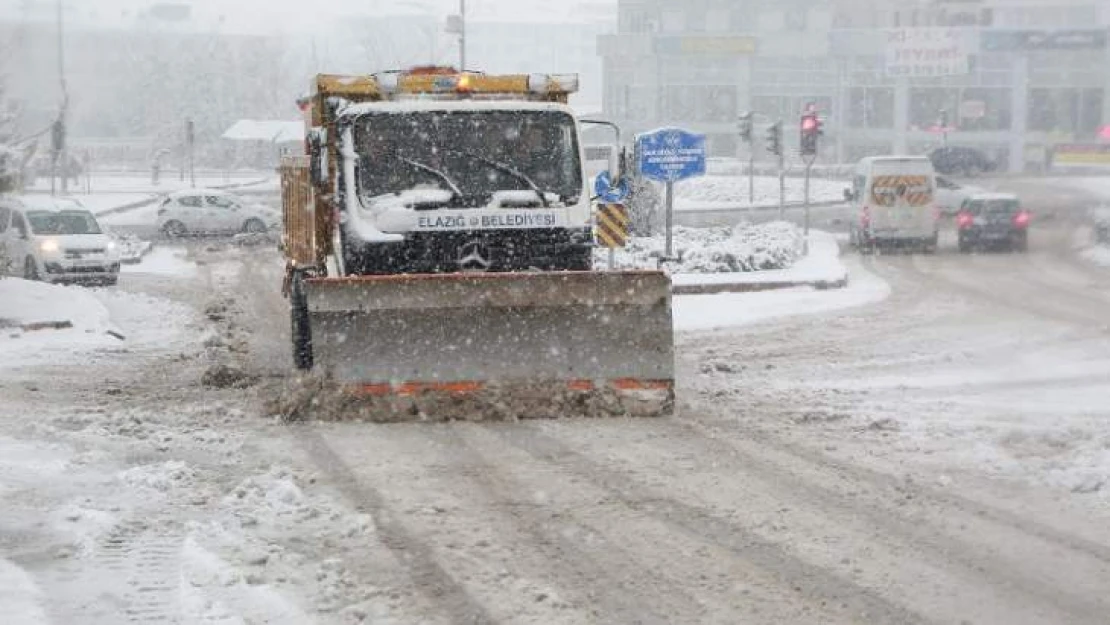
<point x="774" y="138"/>
<point x="190" y="132"/>
<point x="744" y="124"/>
<point x="942" y="119"/>
<point x="810" y="131"/>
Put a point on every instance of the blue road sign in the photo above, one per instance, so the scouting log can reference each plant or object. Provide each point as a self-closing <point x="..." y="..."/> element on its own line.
<point x="606" y="192"/>
<point x="671" y="154"/>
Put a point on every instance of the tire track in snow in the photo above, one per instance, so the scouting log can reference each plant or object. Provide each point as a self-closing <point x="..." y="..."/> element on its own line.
<point x="136" y="573"/>
<point x="923" y="533"/>
<point x="575" y="566"/>
<point x="428" y="575"/>
<point x="1062" y="539"/>
<point x="816" y="584"/>
<point x="986" y="288"/>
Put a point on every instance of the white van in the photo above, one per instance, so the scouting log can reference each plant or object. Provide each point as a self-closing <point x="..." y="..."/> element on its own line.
<point x="56" y="240"/>
<point x="894" y="202"/>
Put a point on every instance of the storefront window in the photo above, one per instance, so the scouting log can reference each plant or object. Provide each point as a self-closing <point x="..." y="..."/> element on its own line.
<point x="983" y="109"/>
<point x="871" y="107"/>
<point x="700" y="103"/>
<point x="1073" y="111"/>
<point x="927" y="103"/>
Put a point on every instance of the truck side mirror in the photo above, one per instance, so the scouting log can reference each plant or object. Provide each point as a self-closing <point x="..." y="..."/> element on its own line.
<point x="318" y="155"/>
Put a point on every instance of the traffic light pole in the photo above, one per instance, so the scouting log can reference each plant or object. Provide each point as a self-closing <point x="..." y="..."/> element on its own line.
<point x="782" y="174"/>
<point x="809" y="166"/>
<point x="751" y="175"/>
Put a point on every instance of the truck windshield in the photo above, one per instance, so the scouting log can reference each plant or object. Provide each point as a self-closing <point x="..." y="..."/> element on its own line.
<point x="63" y="222"/>
<point x="476" y="152"/>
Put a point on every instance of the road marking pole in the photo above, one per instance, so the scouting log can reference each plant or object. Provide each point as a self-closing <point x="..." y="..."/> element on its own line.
<point x="670" y="219"/>
<point x="612" y="228"/>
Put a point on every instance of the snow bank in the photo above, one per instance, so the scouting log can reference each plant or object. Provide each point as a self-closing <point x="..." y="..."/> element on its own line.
<point x="821" y="264"/>
<point x="214" y="590"/>
<point x="725" y="310"/>
<point x="742" y="248"/>
<point x="101" y="319"/>
<point x="1098" y="252"/>
<point x="245" y="551"/>
<point x="24" y="302"/>
<point x="709" y="192"/>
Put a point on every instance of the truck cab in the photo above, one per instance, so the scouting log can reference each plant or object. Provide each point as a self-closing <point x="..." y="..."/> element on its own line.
<point x="431" y="170"/>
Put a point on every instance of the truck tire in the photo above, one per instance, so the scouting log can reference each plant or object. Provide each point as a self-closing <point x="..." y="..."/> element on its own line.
<point x="301" y="331"/>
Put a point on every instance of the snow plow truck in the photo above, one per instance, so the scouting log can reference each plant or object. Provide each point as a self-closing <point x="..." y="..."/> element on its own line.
<point x="438" y="236"/>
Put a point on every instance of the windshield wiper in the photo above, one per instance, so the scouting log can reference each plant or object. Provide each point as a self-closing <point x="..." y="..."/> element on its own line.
<point x="435" y="172"/>
<point x="512" y="171"/>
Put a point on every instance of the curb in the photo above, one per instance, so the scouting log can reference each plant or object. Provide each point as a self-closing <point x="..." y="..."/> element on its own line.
<point x="150" y="199"/>
<point x="755" y="287"/>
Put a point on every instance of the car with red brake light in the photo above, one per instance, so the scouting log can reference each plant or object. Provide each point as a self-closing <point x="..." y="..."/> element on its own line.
<point x="993" y="220"/>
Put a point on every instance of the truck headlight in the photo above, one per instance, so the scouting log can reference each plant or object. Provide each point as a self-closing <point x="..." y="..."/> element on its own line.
<point x="49" y="246"/>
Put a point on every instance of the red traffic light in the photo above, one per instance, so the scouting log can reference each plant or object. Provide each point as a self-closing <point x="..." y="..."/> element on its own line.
<point x="809" y="123"/>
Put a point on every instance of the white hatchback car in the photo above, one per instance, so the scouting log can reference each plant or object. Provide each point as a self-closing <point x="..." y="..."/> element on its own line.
<point x="56" y="240"/>
<point x="207" y="211"/>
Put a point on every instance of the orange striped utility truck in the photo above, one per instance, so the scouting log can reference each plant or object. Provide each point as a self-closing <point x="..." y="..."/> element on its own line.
<point x="439" y="243"/>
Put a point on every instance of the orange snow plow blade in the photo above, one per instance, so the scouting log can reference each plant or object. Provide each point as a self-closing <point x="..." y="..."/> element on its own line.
<point x="496" y="345"/>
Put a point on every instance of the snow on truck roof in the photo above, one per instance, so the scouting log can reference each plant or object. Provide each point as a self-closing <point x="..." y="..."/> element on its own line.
<point x="476" y="106"/>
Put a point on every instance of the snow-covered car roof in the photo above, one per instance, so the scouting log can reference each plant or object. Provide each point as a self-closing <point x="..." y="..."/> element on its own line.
<point x="47" y="202"/>
<point x="476" y="106"/>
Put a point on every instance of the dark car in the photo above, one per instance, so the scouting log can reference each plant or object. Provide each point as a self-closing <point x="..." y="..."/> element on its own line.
<point x="994" y="220"/>
<point x="960" y="160"/>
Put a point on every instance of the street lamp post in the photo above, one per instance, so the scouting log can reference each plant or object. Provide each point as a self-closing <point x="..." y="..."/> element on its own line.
<point x="462" y="35"/>
<point x="60" y="124"/>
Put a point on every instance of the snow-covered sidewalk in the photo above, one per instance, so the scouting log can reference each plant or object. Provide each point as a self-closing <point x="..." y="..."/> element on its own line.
<point x="820" y="267"/>
<point x="728" y="300"/>
<point x="731" y="192"/>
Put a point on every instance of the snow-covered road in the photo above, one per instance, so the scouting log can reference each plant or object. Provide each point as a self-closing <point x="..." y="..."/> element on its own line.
<point x="937" y="455"/>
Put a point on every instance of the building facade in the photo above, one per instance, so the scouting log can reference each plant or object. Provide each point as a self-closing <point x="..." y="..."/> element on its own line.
<point x="1010" y="77"/>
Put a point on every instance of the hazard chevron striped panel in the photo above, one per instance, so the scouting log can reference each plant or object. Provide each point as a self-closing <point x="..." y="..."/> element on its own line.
<point x="612" y="225"/>
<point x="906" y="190"/>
